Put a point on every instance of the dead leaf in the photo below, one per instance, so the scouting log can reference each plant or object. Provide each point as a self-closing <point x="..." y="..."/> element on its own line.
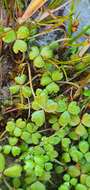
<point x="31" y="9"/>
<point x="52" y="11"/>
<point x="84" y="50"/>
<point x="82" y="84"/>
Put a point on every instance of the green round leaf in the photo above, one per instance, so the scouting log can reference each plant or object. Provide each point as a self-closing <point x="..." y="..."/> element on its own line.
<point x="20" y="123"/>
<point x="66" y="157"/>
<point x="73" y="108"/>
<point x="46" y="52"/>
<point x="80" y="187"/>
<point x="86" y="120"/>
<point x="23" y="32"/>
<point x="26" y="137"/>
<point x="10" y="35"/>
<point x="31" y="127"/>
<point x="88" y="181"/>
<point x="6" y="149"/>
<point x="83" y="178"/>
<point x="29" y="165"/>
<point x="14" y="89"/>
<point x="81" y="130"/>
<point x="26" y="91"/>
<point x="34" y="53"/>
<point x="17" y="132"/>
<point x="39" y="160"/>
<point x="38" y="117"/>
<point x="51" y="106"/>
<point x="37" y="186"/>
<point x="66" y="177"/>
<point x="39" y="62"/>
<point x="83" y="146"/>
<point x="15" y="150"/>
<point x="64" y="119"/>
<point x="52" y="88"/>
<point x="73" y="171"/>
<point x="38" y="171"/>
<point x="75" y="154"/>
<point x="10" y="126"/>
<point x="57" y="75"/>
<point x="75" y="120"/>
<point x="13" y="141"/>
<point x="59" y="169"/>
<point x="85" y="167"/>
<point x="53" y="140"/>
<point x="53" y="119"/>
<point x="35" y="138"/>
<point x="13" y="171"/>
<point x="73" y="181"/>
<point x="56" y="126"/>
<point x="66" y="142"/>
<point x="40" y="101"/>
<point x="62" y="105"/>
<point x="73" y="136"/>
<point x="87" y="156"/>
<point x="45" y="80"/>
<point x="63" y="187"/>
<point x="48" y="166"/>
<point x="19" y="45"/>
<point x="29" y="180"/>
<point x="20" y="79"/>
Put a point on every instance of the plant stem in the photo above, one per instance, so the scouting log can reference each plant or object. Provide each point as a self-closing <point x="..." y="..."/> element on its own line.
<point x="58" y="162"/>
<point x="7" y="184"/>
<point x="30" y="79"/>
<point x="3" y="134"/>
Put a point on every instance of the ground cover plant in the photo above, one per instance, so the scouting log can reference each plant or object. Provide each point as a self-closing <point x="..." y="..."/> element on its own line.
<point x="44" y="97"/>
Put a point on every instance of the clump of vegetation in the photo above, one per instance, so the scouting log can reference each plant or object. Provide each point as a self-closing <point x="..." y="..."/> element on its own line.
<point x="45" y="122"/>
